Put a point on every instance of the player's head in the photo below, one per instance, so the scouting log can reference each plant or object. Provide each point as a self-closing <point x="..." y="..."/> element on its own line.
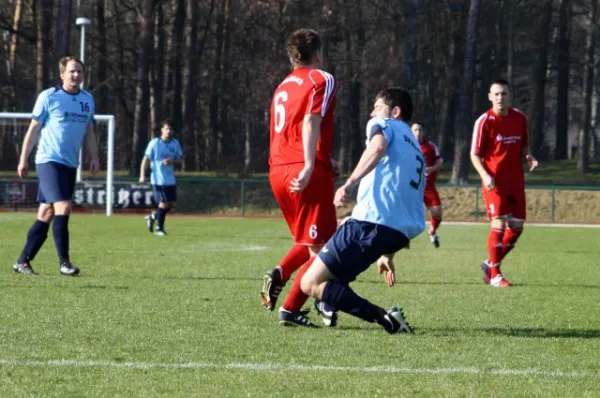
<point x="71" y="72"/>
<point x="166" y="130"/>
<point x="304" y="48"/>
<point x="393" y="102"/>
<point x="499" y="96"/>
<point x="419" y="131"/>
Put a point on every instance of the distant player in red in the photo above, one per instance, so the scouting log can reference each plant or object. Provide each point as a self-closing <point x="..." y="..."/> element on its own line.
<point x="301" y="170"/>
<point x="433" y="163"/>
<point x="500" y="143"/>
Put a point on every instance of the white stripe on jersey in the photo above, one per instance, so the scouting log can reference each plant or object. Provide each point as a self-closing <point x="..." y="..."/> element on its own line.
<point x="435" y="148"/>
<point x="477" y="133"/>
<point x="329" y="86"/>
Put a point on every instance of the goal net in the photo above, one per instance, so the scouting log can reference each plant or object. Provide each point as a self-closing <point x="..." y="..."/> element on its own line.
<point x="91" y="192"/>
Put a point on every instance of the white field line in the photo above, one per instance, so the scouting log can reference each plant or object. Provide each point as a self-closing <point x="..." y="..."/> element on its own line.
<point x="269" y="367"/>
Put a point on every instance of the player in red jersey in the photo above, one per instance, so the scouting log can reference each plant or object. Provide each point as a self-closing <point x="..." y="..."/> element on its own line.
<point x="301" y="169"/>
<point x="500" y="142"/>
<point x="433" y="163"/>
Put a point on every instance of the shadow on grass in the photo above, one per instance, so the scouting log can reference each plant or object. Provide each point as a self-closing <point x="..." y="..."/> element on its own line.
<point x="546" y="333"/>
<point x="535" y="333"/>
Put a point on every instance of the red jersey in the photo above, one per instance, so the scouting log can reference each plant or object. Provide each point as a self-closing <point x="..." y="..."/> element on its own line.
<point x="305" y="91"/>
<point x="431" y="153"/>
<point x="499" y="142"/>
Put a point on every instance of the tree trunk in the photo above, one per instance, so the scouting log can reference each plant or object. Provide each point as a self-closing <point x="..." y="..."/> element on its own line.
<point x="588" y="87"/>
<point x="157" y="74"/>
<point x="411" y="40"/>
<point x="538" y="101"/>
<point x="462" y="128"/>
<point x="63" y="28"/>
<point x="226" y="142"/>
<point x="190" y="72"/>
<point x="140" y="121"/>
<point x="509" y="40"/>
<point x="101" y="95"/>
<point x="14" y="40"/>
<point x="177" y="64"/>
<point x="211" y="139"/>
<point x="44" y="24"/>
<point x="561" y="147"/>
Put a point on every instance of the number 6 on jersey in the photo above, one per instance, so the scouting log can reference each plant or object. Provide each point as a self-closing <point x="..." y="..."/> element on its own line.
<point x="279" y="101"/>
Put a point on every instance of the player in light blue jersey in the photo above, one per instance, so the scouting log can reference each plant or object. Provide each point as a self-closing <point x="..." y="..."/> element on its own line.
<point x="163" y="154"/>
<point x="63" y="117"/>
<point x="388" y="214"/>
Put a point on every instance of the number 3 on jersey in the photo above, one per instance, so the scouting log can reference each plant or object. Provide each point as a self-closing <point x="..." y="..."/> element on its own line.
<point x="280" y="98"/>
<point x="415" y="184"/>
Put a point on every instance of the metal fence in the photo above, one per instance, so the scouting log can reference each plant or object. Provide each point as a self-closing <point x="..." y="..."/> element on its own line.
<point x="253" y="197"/>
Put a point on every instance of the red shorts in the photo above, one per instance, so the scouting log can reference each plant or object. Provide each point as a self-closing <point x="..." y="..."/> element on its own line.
<point x="310" y="214"/>
<point x="431" y="197"/>
<point x="505" y="202"/>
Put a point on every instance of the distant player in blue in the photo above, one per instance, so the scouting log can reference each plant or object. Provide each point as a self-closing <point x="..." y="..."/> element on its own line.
<point x="388" y="214"/>
<point x="62" y="118"/>
<point x="163" y="153"/>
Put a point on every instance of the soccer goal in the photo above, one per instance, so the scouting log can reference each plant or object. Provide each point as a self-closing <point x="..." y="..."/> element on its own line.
<point x="19" y="194"/>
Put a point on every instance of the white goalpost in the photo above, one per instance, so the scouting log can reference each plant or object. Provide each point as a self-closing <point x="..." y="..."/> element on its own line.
<point x="13" y="126"/>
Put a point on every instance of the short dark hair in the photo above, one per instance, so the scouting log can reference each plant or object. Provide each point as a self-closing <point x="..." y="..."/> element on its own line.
<point x="500" y="82"/>
<point x="167" y="122"/>
<point x="302" y="46"/>
<point x="62" y="64"/>
<point x="397" y="97"/>
<point x="420" y="124"/>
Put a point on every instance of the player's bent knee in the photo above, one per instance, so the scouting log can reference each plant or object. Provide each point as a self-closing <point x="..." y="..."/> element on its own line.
<point x="307" y="284"/>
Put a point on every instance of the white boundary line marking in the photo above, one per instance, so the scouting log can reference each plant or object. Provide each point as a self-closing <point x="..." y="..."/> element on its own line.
<point x="258" y="367"/>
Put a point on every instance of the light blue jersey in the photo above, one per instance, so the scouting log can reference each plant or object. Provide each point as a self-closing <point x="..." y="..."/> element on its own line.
<point x="157" y="151"/>
<point x="392" y="193"/>
<point x="65" y="118"/>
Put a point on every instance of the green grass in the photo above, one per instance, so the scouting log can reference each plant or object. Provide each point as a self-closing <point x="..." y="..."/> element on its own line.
<point x="192" y="297"/>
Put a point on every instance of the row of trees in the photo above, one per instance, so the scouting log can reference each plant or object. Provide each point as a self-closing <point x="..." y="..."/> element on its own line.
<point x="213" y="65"/>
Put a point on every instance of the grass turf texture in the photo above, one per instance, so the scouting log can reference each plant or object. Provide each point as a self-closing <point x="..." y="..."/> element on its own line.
<point x="144" y="305"/>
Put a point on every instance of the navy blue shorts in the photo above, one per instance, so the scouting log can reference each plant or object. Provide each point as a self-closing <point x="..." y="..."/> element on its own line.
<point x="56" y="182"/>
<point x="358" y="244"/>
<point x="164" y="193"/>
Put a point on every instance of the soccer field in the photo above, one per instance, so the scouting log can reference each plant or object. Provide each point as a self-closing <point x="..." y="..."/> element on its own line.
<point x="181" y="316"/>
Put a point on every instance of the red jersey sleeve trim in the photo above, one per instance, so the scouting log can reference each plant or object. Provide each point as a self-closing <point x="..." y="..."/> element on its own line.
<point x="436" y="151"/>
<point x="477" y="134"/>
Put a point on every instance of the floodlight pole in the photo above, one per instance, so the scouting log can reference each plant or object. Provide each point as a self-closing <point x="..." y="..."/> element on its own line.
<point x="82" y="23"/>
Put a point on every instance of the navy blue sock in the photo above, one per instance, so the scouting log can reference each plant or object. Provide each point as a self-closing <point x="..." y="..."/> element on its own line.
<point x="341" y="296"/>
<point x="35" y="240"/>
<point x="60" y="229"/>
<point x="159" y="215"/>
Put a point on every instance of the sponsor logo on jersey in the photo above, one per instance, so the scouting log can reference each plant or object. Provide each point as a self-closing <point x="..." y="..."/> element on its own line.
<point x="513" y="139"/>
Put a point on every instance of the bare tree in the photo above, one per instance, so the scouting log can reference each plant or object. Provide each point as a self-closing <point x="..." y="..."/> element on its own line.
<point x="564" y="71"/>
<point x="140" y="122"/>
<point x="44" y="25"/>
<point x="588" y="87"/>
<point x="63" y="28"/>
<point x="538" y="106"/>
<point x="177" y="61"/>
<point x="462" y="128"/>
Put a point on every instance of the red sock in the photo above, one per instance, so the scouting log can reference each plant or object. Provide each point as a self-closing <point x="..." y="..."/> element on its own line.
<point x="296" y="297"/>
<point x="508" y="242"/>
<point x="435" y="224"/>
<point x="495" y="249"/>
<point x="293" y="260"/>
